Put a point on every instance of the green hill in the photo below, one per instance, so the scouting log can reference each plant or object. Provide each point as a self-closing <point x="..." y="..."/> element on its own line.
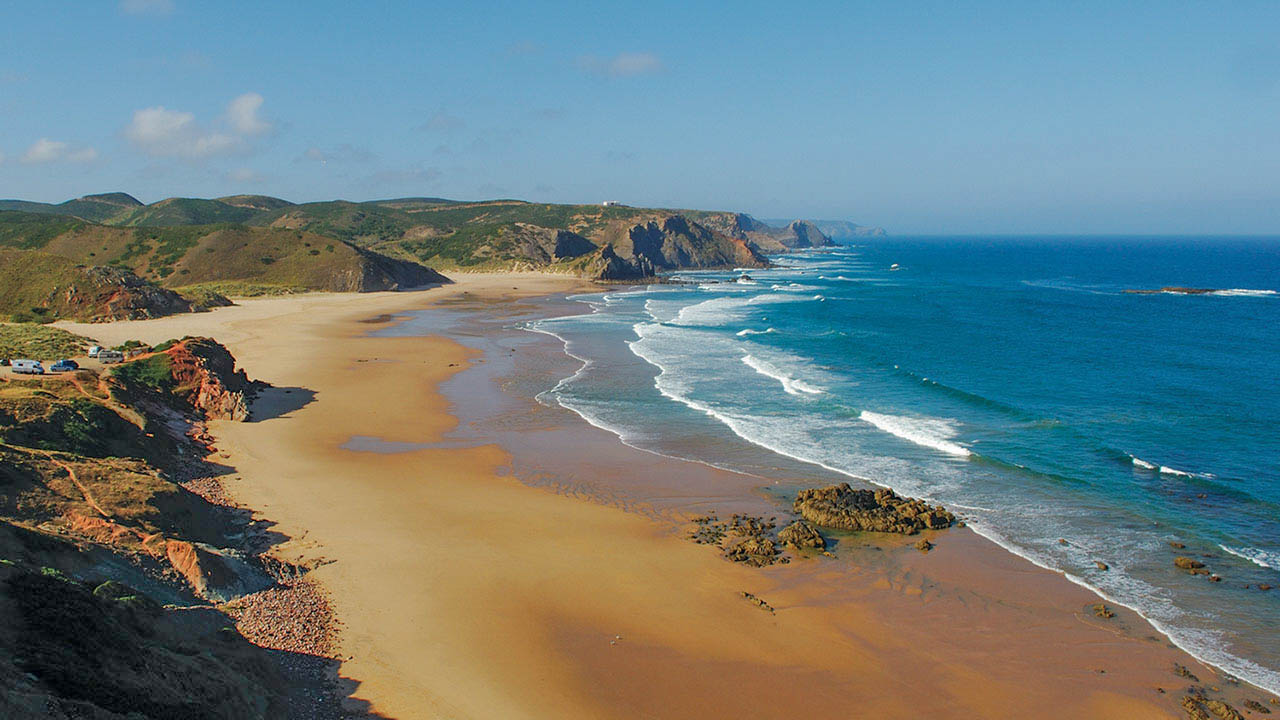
<point x="256" y="202"/>
<point x="46" y="254"/>
<point x="97" y="208"/>
<point x="511" y="234"/>
<point x="40" y="287"/>
<point x="615" y="242"/>
<point x="187" y="211"/>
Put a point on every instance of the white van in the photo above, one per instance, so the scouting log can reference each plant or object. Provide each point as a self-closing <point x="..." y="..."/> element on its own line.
<point x="94" y="350"/>
<point x="28" y="367"/>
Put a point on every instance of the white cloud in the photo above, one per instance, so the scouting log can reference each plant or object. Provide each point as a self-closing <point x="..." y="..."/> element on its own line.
<point x="146" y="7"/>
<point x="44" y="151"/>
<point x="170" y="133"/>
<point x="625" y="64"/>
<point x="161" y="132"/>
<point x="243" y="115"/>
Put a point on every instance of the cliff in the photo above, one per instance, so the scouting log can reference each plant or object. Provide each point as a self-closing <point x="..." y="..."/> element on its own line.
<point x="99" y="531"/>
<point x="797" y="235"/>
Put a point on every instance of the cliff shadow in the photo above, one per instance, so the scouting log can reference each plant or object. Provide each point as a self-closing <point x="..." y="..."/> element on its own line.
<point x="274" y="402"/>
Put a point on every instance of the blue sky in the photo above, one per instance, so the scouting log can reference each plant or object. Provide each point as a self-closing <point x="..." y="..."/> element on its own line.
<point x="1115" y="117"/>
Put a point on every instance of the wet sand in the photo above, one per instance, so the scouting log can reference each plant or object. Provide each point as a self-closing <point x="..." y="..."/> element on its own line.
<point x="466" y="591"/>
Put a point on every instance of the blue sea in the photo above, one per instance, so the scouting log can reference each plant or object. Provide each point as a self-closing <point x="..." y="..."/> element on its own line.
<point x="1010" y="379"/>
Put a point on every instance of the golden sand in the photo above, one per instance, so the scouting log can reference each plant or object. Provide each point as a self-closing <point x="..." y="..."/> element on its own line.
<point x="464" y="593"/>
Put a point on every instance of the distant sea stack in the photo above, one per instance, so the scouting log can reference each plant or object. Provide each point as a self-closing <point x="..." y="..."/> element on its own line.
<point x="839" y="229"/>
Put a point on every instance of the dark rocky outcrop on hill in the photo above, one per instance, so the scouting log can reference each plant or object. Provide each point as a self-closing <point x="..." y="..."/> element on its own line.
<point x="845" y="508"/>
<point x="118" y="294"/>
<point x="674" y="242"/>
<point x="41" y="287"/>
<point x="547" y="245"/>
<point x="377" y="272"/>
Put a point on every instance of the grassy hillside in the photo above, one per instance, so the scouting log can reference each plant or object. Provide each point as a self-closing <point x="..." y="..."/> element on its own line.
<point x="42" y="287"/>
<point x="494" y="235"/>
<point x="187" y="255"/>
<point x="105" y="207"/>
<point x="497" y="235"/>
<point x="40" y="342"/>
<point x="188" y="211"/>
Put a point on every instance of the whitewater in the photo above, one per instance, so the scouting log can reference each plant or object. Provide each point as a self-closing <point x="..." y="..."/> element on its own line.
<point x="1011" y="379"/>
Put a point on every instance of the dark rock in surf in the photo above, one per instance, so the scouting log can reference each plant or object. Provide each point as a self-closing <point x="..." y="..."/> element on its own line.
<point x="1195" y="567"/>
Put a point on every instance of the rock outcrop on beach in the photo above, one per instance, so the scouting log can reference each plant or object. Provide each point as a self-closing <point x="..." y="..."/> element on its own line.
<point x="802" y="536"/>
<point x="845" y="508"/>
<point x="207" y="380"/>
<point x="744" y="539"/>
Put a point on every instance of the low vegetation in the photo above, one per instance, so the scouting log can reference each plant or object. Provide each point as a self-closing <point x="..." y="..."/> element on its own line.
<point x="39" y="342"/>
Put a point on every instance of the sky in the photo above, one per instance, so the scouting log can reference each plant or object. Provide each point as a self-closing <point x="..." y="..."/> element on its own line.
<point x="947" y="117"/>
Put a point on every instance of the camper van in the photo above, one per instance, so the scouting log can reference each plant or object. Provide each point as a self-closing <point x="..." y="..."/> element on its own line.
<point x="28" y="367"/>
<point x="106" y="357"/>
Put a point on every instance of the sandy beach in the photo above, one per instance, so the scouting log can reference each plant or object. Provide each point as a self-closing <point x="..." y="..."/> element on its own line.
<point x="464" y="592"/>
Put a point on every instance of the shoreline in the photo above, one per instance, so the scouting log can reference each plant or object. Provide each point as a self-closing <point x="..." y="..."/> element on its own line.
<point x="329" y="332"/>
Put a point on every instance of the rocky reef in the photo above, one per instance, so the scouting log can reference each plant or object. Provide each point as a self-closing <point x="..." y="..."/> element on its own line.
<point x="860" y="510"/>
<point x="1175" y="290"/>
<point x="802" y="536"/>
<point x="743" y="539"/>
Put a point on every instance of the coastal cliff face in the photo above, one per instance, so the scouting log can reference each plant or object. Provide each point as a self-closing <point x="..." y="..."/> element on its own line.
<point x="675" y="242"/>
<point x="797" y="235"/>
<point x="376" y="272"/>
<point x="766" y="238"/>
<point x="206" y="379"/>
<point x="99" y="529"/>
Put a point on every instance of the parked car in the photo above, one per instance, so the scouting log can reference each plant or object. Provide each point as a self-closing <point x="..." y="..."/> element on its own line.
<point x="94" y="350"/>
<point x="107" y="357"/>
<point x="28" y="367"/>
<point x="64" y="366"/>
<point x="4" y="362"/>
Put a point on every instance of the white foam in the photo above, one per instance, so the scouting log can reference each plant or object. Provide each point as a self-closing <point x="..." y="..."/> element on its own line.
<point x="927" y="432"/>
<point x="793" y="386"/>
<point x="1261" y="558"/>
<point x="1139" y="462"/>
<point x="1166" y="470"/>
<point x="1244" y="292"/>
<point x="749" y="331"/>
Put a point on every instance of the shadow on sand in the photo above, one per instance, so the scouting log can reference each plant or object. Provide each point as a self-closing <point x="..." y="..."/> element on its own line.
<point x="274" y="402"/>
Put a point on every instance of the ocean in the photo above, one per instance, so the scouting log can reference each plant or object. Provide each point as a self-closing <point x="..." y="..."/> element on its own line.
<point x="1010" y="379"/>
